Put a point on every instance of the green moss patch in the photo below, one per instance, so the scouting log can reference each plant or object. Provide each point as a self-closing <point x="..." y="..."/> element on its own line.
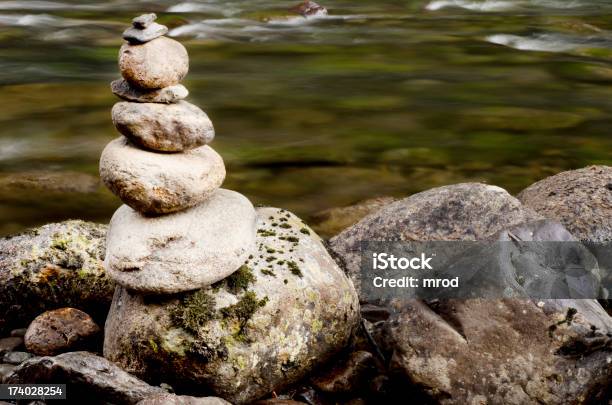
<point x="242" y="312"/>
<point x="195" y="310"/>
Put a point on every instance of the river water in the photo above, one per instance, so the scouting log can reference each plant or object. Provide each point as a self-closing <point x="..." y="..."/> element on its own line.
<point x="379" y="98"/>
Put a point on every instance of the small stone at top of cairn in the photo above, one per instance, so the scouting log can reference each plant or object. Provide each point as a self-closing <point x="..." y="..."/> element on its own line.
<point x="144" y="29"/>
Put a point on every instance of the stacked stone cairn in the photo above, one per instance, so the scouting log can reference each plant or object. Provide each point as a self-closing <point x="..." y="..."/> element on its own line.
<point x="178" y="230"/>
<point x="210" y="292"/>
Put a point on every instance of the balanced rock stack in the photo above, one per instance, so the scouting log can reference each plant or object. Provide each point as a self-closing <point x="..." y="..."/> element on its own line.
<point x="179" y="231"/>
<point x="211" y="293"/>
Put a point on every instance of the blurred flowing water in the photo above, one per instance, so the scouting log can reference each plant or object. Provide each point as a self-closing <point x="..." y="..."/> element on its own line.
<point x="379" y="98"/>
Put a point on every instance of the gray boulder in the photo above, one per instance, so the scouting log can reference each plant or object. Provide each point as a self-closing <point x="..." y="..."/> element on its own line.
<point x="88" y="376"/>
<point x="171" y="94"/>
<point x="503" y="351"/>
<point x="286" y="311"/>
<point x="156" y="64"/>
<point x="580" y="199"/>
<point x="155" y="183"/>
<point x="53" y="266"/>
<point x="182" y="251"/>
<point x="469" y="211"/>
<point x="163" y="127"/>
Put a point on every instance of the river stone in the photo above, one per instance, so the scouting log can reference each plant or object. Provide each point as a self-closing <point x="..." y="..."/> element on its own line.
<point x="286" y="311"/>
<point x="141" y="35"/>
<point x="163" y="127"/>
<point x="61" y="330"/>
<point x="156" y="64"/>
<point x="9" y="344"/>
<point x="5" y="371"/>
<point x="167" y="95"/>
<point x="155" y="183"/>
<point x="503" y="351"/>
<point x="171" y="399"/>
<point x="87" y="375"/>
<point x="16" y="358"/>
<point x="54" y="266"/>
<point x="580" y="199"/>
<point x="144" y="21"/>
<point x="468" y="211"/>
<point x="183" y="251"/>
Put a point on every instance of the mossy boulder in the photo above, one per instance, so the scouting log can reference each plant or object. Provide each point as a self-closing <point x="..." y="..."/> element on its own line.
<point x="54" y="266"/>
<point x="288" y="309"/>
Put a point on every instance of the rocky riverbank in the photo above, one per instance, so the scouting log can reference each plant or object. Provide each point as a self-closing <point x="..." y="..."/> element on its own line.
<point x="270" y="330"/>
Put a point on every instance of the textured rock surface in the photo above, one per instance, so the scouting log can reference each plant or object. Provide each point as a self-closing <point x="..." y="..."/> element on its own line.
<point x="90" y="376"/>
<point x="468" y="211"/>
<point x="580" y="199"/>
<point x="9" y="344"/>
<point x="334" y="220"/>
<point x="159" y="63"/>
<point x="50" y="267"/>
<point x="163" y="127"/>
<point x="155" y="183"/>
<point x="287" y="310"/>
<point x="182" y="251"/>
<point x="16" y="358"/>
<point x="171" y="399"/>
<point x="61" y="330"/>
<point x="504" y="351"/>
<point x="5" y="370"/>
<point x="171" y="94"/>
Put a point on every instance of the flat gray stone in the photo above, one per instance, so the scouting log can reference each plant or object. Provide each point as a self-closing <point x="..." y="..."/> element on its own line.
<point x="16" y="358"/>
<point x="160" y="183"/>
<point x="171" y="399"/>
<point x="89" y="376"/>
<point x="183" y="251"/>
<point x="163" y="127"/>
<point x="172" y="94"/>
<point x="140" y="36"/>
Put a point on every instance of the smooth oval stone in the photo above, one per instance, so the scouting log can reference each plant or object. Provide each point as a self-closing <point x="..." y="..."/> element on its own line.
<point x="156" y="64"/>
<point x="171" y="94"/>
<point x="155" y="183"/>
<point x="183" y="251"/>
<point x="163" y="127"/>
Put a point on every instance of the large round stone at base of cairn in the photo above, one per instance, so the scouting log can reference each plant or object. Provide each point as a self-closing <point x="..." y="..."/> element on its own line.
<point x="183" y="251"/>
<point x="159" y="63"/>
<point x="286" y="311"/>
<point x="163" y="127"/>
<point x="158" y="183"/>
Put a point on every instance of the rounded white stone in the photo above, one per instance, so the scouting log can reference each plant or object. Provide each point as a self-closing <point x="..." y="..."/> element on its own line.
<point x="183" y="251"/>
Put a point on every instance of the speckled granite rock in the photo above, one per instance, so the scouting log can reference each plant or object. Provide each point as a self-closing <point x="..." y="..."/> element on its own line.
<point x="580" y="199"/>
<point x="287" y="310"/>
<point x="468" y="211"/>
<point x="171" y="399"/>
<point x="183" y="251"/>
<point x="51" y="267"/>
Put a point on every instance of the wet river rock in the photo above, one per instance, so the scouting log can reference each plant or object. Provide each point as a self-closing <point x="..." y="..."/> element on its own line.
<point x="580" y="199"/>
<point x="61" y="330"/>
<point x="163" y="127"/>
<point x="286" y="311"/>
<point x="182" y="251"/>
<point x="155" y="183"/>
<point x="54" y="266"/>
<point x="156" y="64"/>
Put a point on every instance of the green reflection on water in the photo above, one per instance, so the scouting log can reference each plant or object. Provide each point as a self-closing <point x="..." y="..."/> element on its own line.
<point x="391" y="103"/>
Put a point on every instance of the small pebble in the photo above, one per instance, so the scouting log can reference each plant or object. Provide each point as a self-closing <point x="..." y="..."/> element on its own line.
<point x="9" y="344"/>
<point x="143" y="21"/>
<point x="19" y="332"/>
<point x="6" y="369"/>
<point x="16" y="357"/>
